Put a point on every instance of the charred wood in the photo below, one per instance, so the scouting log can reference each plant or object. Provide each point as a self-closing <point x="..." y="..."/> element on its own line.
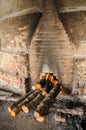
<point x="48" y="86"/>
<point x="72" y="112"/>
<point x="44" y="106"/>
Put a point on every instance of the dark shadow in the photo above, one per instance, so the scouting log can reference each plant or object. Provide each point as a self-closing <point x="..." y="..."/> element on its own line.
<point x="83" y="124"/>
<point x="35" y="18"/>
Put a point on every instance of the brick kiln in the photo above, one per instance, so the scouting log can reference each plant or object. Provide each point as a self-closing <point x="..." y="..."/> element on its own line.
<point x="39" y="36"/>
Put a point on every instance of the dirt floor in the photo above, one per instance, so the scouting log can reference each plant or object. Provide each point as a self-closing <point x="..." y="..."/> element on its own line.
<point x="22" y="121"/>
<point x="28" y="122"/>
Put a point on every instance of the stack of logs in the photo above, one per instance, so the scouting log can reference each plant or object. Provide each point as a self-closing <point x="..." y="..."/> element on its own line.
<point x="41" y="97"/>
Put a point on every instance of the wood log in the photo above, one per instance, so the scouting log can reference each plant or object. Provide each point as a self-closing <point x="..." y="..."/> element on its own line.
<point x="48" y="86"/>
<point x="29" y="98"/>
<point x="18" y="108"/>
<point x="19" y="101"/>
<point x="34" y="102"/>
<point x="73" y="112"/>
<point x="44" y="106"/>
<point x="58" y="118"/>
<point x="5" y="93"/>
<point x="15" y="111"/>
<point x="9" y="98"/>
<point x="43" y="81"/>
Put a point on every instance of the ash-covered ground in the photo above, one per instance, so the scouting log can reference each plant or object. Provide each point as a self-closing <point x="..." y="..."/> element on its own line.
<point x="25" y="121"/>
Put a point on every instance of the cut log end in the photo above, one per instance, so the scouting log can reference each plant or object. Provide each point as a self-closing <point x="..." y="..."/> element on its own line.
<point x="38" y="86"/>
<point x="36" y="114"/>
<point x="25" y="109"/>
<point x="44" y="93"/>
<point x="13" y="114"/>
<point x="40" y="119"/>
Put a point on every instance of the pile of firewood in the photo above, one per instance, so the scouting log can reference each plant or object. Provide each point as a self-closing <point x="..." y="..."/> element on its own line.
<point x="41" y="97"/>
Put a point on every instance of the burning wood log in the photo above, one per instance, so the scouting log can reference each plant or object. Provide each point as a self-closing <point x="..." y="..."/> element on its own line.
<point x="45" y="83"/>
<point x="48" y="86"/>
<point x="33" y="98"/>
<point x="44" y="106"/>
<point x="49" y="82"/>
<point x="50" y="79"/>
<point x="34" y="102"/>
<point x="40" y="84"/>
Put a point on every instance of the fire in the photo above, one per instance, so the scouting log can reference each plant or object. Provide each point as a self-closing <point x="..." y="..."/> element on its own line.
<point x="60" y="93"/>
<point x="42" y="96"/>
<point x="44" y="79"/>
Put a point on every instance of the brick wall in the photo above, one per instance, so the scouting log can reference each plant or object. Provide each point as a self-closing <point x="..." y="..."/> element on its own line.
<point x="14" y="66"/>
<point x="79" y="78"/>
<point x="75" y="25"/>
<point x="15" y="39"/>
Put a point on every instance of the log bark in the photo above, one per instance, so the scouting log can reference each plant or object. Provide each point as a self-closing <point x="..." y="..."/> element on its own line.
<point x="15" y="111"/>
<point x="9" y="98"/>
<point x="19" y="101"/>
<point x="48" y="86"/>
<point x="73" y="112"/>
<point x="58" y="118"/>
<point x="34" y="103"/>
<point x="43" y="81"/>
<point x="44" y="106"/>
<point x="18" y="108"/>
<point x="5" y="93"/>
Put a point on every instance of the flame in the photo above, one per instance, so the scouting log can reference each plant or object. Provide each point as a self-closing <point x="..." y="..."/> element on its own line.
<point x="47" y="75"/>
<point x="52" y="78"/>
<point x="60" y="93"/>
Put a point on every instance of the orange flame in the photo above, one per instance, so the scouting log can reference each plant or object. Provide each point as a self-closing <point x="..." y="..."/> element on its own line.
<point x="61" y="93"/>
